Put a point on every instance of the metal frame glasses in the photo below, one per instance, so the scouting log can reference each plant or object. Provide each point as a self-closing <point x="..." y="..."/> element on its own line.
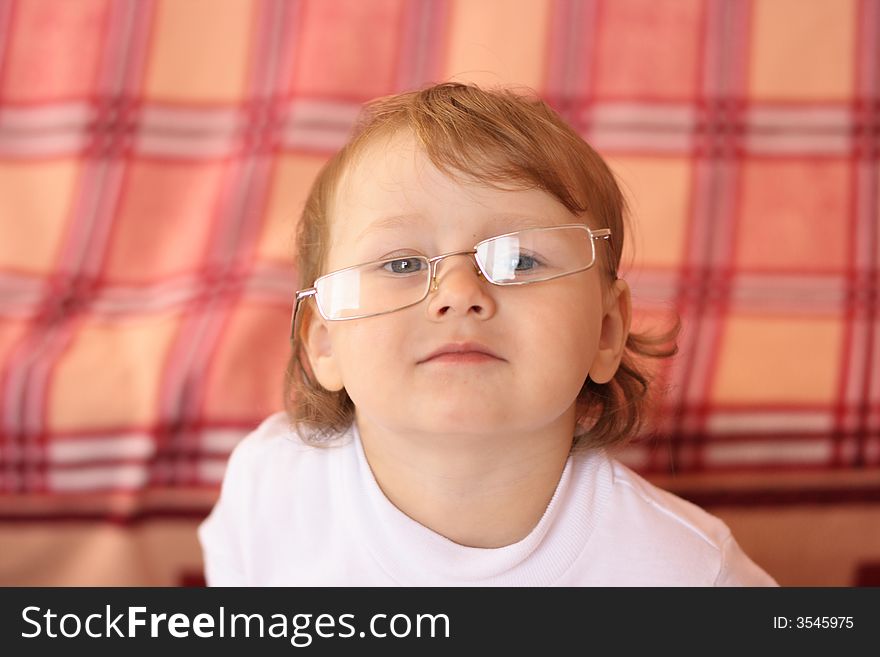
<point x="431" y="264"/>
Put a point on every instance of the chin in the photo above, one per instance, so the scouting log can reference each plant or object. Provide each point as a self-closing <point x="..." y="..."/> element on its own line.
<point x="470" y="418"/>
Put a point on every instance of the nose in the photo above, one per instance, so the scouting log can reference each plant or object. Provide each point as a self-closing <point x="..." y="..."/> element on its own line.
<point x="460" y="289"/>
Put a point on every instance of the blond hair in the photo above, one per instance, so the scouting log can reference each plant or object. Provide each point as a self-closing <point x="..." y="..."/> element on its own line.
<point x="500" y="138"/>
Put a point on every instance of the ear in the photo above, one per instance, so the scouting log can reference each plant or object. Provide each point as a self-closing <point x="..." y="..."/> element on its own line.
<point x="319" y="350"/>
<point x="615" y="329"/>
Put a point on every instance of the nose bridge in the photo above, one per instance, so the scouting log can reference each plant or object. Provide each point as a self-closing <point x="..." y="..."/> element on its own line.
<point x="436" y="260"/>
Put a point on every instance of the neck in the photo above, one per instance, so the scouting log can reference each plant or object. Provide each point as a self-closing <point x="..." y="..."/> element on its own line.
<point x="485" y="491"/>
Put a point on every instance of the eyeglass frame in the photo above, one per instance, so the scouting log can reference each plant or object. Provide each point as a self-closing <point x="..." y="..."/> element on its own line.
<point x="302" y="295"/>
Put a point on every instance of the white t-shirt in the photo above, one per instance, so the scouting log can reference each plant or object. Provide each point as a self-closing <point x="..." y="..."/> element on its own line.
<point x="290" y="514"/>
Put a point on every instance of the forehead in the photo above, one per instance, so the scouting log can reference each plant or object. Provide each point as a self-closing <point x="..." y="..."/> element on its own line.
<point x="393" y="187"/>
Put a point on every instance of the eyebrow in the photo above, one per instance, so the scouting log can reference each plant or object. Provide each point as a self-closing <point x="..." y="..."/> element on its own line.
<point x="511" y="220"/>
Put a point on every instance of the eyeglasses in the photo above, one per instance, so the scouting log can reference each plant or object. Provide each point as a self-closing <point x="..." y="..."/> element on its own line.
<point x="391" y="284"/>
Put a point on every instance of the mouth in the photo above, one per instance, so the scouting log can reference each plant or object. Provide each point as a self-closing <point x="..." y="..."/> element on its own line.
<point x="463" y="357"/>
<point x="462" y="353"/>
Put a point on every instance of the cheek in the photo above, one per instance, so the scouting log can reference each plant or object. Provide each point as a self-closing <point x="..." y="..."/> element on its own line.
<point x="566" y="332"/>
<point x="572" y="311"/>
<point x="367" y="351"/>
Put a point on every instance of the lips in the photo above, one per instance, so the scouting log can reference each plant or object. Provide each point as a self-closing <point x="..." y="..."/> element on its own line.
<point x="461" y="348"/>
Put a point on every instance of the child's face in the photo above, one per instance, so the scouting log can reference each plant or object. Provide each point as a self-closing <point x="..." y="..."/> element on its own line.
<point x="547" y="335"/>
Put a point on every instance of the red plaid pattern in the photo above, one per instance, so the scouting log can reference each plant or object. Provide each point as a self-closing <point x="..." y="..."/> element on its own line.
<point x="154" y="157"/>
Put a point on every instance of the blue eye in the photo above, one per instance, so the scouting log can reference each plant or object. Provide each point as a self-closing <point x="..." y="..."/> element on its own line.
<point x="526" y="262"/>
<point x="404" y="266"/>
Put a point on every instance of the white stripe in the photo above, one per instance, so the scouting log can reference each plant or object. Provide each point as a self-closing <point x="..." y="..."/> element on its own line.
<point x="10" y="280"/>
<point x="24" y="311"/>
<point x="609" y="116"/>
<point x="143" y="303"/>
<point x="148" y="298"/>
<point x="770" y="421"/>
<point x="75" y="450"/>
<point x="211" y="472"/>
<point x="60" y="116"/>
<point x="643" y="116"/>
<point x="272" y="283"/>
<point x="221" y="441"/>
<point x="316" y="138"/>
<point x="803" y="118"/>
<point x="186" y="146"/>
<point x="653" y="305"/>
<point x="82" y="479"/>
<point x="782" y="292"/>
<point x="832" y="286"/>
<point x="657" y="285"/>
<point x="42" y="144"/>
<point x="167" y="286"/>
<point x="798" y="452"/>
<point x="302" y="114"/>
<point x="175" y="119"/>
<point x="799" y="143"/>
<point x="603" y="138"/>
<point x="20" y="295"/>
<point x="279" y="283"/>
<point x="787" y="306"/>
<point x="316" y="111"/>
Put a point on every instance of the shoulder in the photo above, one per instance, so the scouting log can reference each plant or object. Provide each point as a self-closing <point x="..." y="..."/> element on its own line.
<point x="277" y="434"/>
<point x="662" y="507"/>
<point x="275" y="447"/>
<point x="273" y="471"/>
<point x="276" y="490"/>
<point x="675" y="541"/>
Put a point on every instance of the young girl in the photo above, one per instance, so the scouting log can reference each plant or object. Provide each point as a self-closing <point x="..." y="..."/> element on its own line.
<point x="461" y="364"/>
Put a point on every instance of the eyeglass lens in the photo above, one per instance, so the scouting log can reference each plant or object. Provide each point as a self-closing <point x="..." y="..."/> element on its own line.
<point x="525" y="257"/>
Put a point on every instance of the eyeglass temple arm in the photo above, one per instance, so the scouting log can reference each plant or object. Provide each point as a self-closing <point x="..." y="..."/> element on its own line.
<point x="301" y="296"/>
<point x="603" y="233"/>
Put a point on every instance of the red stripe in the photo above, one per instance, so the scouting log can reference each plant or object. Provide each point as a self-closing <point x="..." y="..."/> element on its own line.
<point x="400" y="54"/>
<point x="358" y="99"/>
<point x="198" y="424"/>
<point x="127" y="520"/>
<point x="729" y="154"/>
<point x="869" y="155"/>
<point x="851" y="312"/>
<point x="7" y="24"/>
<point x="695" y="151"/>
<point x="782" y="498"/>
<point x="708" y="499"/>
<point x="153" y="461"/>
<point x="760" y="407"/>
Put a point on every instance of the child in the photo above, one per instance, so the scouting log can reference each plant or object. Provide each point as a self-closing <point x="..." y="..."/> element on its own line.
<point x="461" y="363"/>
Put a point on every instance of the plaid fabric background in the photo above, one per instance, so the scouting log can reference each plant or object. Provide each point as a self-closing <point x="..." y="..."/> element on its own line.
<point x="154" y="156"/>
